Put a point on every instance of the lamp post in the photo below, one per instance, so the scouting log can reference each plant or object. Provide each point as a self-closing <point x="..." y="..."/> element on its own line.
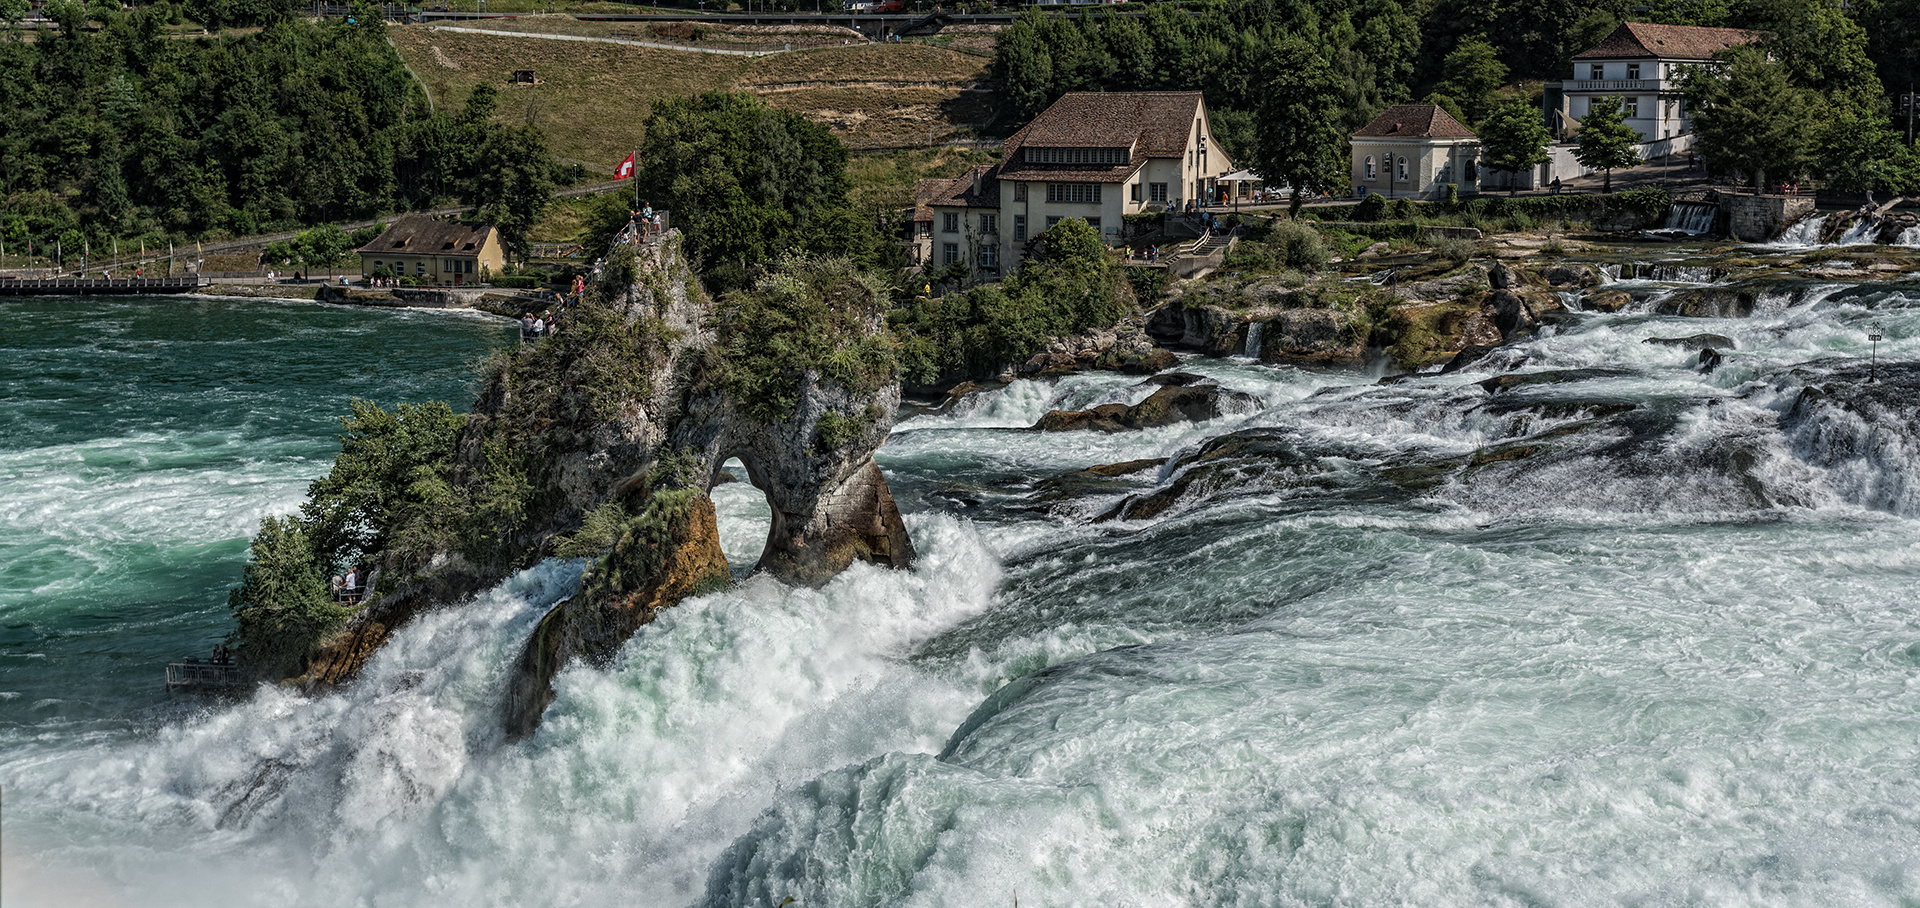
<point x="1873" y="356"/>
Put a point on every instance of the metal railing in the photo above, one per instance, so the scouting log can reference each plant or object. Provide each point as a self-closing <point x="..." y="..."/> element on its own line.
<point x="194" y="673"/>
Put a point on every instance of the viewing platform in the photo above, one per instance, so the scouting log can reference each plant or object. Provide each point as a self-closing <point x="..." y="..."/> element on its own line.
<point x="200" y="674"/>
<point x="90" y="286"/>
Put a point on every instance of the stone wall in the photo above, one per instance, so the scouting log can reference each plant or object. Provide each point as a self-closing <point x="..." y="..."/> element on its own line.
<point x="1762" y="217"/>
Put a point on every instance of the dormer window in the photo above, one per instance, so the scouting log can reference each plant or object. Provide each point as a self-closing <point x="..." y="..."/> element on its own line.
<point x="1633" y="70"/>
<point x="1597" y="72"/>
<point x="1103" y="156"/>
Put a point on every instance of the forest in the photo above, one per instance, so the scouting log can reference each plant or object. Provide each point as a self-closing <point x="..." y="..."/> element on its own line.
<point x="125" y="130"/>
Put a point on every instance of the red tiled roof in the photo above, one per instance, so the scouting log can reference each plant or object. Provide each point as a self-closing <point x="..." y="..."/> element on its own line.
<point x="1154" y="124"/>
<point x="1672" y="42"/>
<point x="923" y="195"/>
<point x="961" y="191"/>
<point x="1415" y="121"/>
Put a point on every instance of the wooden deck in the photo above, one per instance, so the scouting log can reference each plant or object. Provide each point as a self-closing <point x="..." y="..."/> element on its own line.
<point x="83" y="286"/>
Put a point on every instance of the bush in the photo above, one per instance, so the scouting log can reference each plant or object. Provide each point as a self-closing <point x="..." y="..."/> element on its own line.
<point x="517" y="281"/>
<point x="1453" y="197"/>
<point x="1300" y="247"/>
<point x="1403" y="209"/>
<point x="1150" y="284"/>
<point x="1454" y="249"/>
<point x="281" y="609"/>
<point x="1371" y="208"/>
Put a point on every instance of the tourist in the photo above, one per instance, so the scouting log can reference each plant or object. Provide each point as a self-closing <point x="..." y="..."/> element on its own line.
<point x="1556" y="186"/>
<point x="539" y="327"/>
<point x="526" y="328"/>
<point x="351" y="585"/>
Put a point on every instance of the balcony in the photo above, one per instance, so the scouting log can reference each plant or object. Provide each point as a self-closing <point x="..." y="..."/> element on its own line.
<point x="1611" y="85"/>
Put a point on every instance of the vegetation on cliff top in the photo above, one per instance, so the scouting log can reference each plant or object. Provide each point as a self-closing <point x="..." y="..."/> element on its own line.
<point x="819" y="315"/>
<point x="973" y="334"/>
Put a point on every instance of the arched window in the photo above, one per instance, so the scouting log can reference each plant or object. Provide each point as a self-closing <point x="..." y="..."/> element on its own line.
<point x="1370" y="170"/>
<point x="1403" y="167"/>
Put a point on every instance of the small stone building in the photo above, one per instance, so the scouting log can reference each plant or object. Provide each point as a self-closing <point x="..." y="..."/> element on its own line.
<point x="1414" y="151"/>
<point x="434" y="251"/>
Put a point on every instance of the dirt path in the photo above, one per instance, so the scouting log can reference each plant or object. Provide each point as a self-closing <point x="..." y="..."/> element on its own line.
<point x="633" y="41"/>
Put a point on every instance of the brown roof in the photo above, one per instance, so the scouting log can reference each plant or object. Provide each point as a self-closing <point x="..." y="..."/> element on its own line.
<point x="1415" y="121"/>
<point x="421" y="235"/>
<point x="1155" y="124"/>
<point x="967" y="192"/>
<point x="1672" y="42"/>
<point x="923" y="195"/>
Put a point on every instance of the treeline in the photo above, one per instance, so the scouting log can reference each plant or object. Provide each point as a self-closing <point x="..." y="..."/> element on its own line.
<point x="1287" y="81"/>
<point x="134" y="133"/>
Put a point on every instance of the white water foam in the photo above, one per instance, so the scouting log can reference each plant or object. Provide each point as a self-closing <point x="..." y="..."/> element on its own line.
<point x="1804" y="234"/>
<point x="398" y="791"/>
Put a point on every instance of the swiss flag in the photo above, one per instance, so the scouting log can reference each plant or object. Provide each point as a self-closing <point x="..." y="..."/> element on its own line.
<point x="625" y="169"/>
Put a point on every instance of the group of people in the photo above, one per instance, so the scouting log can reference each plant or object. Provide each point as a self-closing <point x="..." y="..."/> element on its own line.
<point x="350" y="587"/>
<point x="546" y="324"/>
<point x="647" y="220"/>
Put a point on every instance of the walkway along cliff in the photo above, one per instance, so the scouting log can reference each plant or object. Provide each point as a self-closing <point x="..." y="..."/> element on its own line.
<point x="603" y="441"/>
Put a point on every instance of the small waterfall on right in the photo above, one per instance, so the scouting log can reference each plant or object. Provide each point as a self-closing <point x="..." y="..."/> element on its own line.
<point x="1909" y="237"/>
<point x="1253" y="338"/>
<point x="1803" y="234"/>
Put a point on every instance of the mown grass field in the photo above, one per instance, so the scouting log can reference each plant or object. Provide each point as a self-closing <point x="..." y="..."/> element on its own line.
<point x="592" y="98"/>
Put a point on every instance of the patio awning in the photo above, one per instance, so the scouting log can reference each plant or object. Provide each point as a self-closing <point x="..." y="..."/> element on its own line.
<point x="1242" y="176"/>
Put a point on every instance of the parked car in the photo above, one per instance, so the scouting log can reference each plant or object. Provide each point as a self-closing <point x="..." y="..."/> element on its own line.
<point x="888" y="6"/>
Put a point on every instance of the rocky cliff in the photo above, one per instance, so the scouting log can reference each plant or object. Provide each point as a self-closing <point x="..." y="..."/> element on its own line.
<point x="602" y="442"/>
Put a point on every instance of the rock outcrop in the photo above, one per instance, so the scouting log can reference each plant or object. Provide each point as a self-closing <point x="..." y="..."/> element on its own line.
<point x="1125" y="347"/>
<point x="603" y="441"/>
<point x="1182" y="397"/>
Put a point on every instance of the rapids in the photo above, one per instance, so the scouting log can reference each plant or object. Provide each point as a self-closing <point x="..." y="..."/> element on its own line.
<point x="1629" y="674"/>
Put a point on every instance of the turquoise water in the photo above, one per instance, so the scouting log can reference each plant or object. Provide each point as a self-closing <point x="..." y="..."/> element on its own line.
<point x="141" y="441"/>
<point x="1623" y="678"/>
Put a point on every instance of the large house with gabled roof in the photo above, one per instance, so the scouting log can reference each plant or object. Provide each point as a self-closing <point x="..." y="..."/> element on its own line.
<point x="1640" y="63"/>
<point x="435" y="251"/>
<point x="1094" y="155"/>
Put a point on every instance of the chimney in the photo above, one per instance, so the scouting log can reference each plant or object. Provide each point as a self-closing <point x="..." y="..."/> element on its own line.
<point x="979" y="173"/>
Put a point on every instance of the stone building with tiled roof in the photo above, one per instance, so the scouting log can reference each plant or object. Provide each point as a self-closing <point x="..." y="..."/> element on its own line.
<point x="1415" y="151"/>
<point x="1094" y="155"/>
<point x="1639" y="63"/>
<point x="434" y="251"/>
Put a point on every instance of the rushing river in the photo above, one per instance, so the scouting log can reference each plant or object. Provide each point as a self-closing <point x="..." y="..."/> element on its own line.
<point x="1631" y="675"/>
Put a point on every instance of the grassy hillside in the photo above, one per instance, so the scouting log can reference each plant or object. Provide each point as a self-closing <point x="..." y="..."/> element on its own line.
<point x="593" y="97"/>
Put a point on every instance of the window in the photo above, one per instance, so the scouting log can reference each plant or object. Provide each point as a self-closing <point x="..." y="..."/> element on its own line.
<point x="926" y="228"/>
<point x="1402" y="170"/>
<point x="989" y="224"/>
<point x="1019" y="228"/>
<point x="1052" y="221"/>
<point x="1076" y="155"/>
<point x="1370" y="171"/>
<point x="377" y="265"/>
<point x="989" y="257"/>
<point x="1633" y="70"/>
<point x="1473" y="170"/>
<point x="420" y="268"/>
<point x="949" y="253"/>
<point x="1133" y="191"/>
<point x="1084" y="193"/>
<point x="1597" y="71"/>
<point x="949" y="222"/>
<point x="1629" y="107"/>
<point x="1156" y="192"/>
<point x="1094" y="223"/>
<point x="1019" y="192"/>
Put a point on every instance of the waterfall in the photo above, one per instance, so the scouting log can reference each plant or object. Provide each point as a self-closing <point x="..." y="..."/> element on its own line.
<point x="1860" y="233"/>
<point x="1253" y="338"/>
<point x="1804" y="234"/>
<point x="1909" y="237"/>
<point x="1690" y="218"/>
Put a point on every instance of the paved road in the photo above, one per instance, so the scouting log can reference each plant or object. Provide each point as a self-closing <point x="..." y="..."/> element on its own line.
<point x="637" y="43"/>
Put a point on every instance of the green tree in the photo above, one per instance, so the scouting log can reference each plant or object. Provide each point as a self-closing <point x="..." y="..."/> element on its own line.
<point x="1606" y="141"/>
<point x="513" y="180"/>
<point x="1748" y="115"/>
<point x="1862" y="152"/>
<point x="1514" y="138"/>
<point x="1298" y="138"/>
<point x="1073" y="243"/>
<point x="12" y="11"/>
<point x="1473" y="75"/>
<point x="386" y="464"/>
<point x="747" y="182"/>
<point x="281" y="608"/>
